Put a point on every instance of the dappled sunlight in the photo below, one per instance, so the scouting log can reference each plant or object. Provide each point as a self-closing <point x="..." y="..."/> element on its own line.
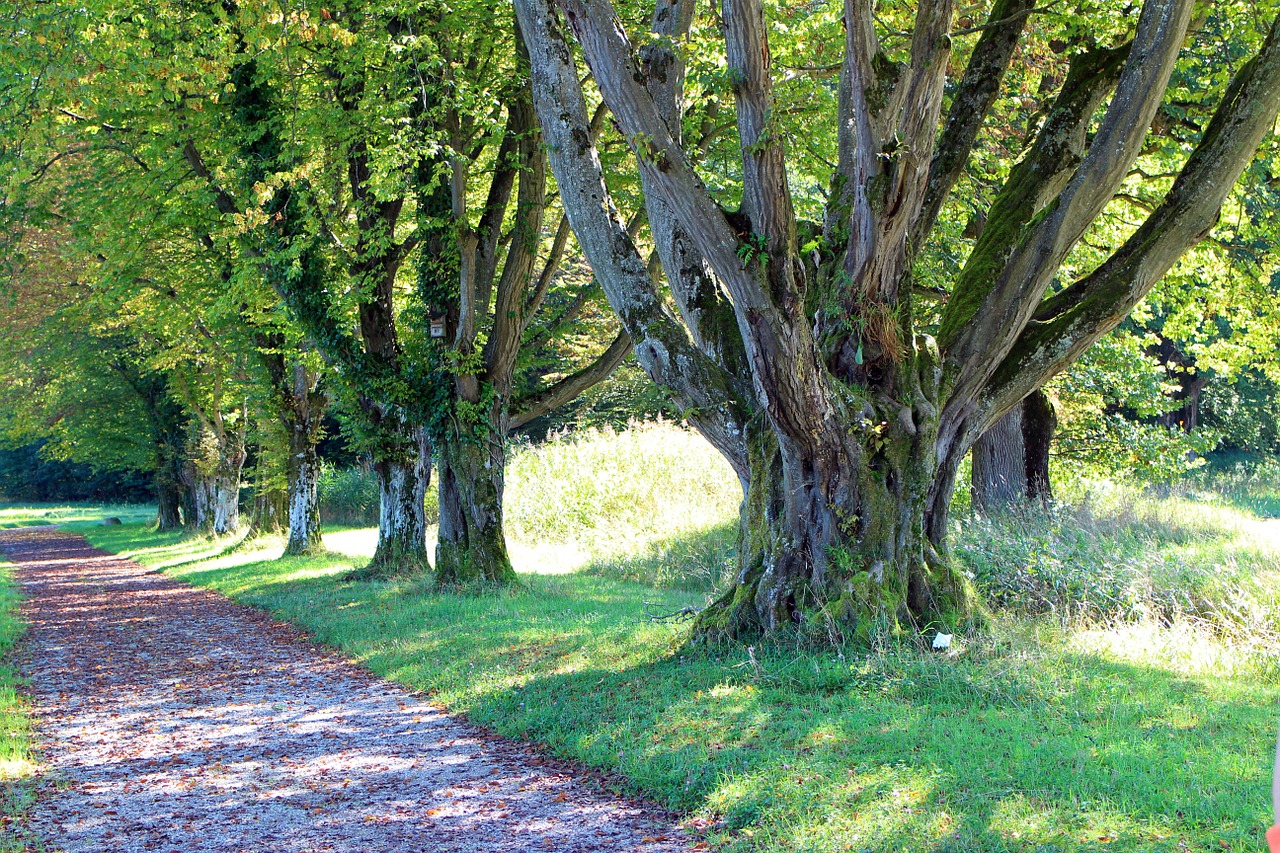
<point x="1034" y="733"/>
<point x="176" y="718"/>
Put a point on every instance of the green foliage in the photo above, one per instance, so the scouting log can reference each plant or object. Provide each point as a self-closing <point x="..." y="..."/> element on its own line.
<point x="1106" y="404"/>
<point x="28" y="476"/>
<point x="1246" y="412"/>
<point x="349" y="496"/>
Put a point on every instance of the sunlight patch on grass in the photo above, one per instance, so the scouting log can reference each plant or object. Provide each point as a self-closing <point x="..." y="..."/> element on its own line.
<point x="1033" y="736"/>
<point x="28" y="515"/>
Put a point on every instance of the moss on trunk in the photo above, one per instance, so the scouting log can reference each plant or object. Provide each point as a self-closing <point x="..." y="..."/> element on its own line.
<point x="834" y="545"/>
<point x="471" y="547"/>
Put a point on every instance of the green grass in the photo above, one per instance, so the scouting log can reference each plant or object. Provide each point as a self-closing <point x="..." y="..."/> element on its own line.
<point x="1100" y="711"/>
<point x="17" y="764"/>
<point x="29" y="515"/>
<point x="1035" y="737"/>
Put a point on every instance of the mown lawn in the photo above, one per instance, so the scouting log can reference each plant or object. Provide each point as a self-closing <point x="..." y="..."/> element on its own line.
<point x="1034" y="737"/>
<point x="30" y="515"/>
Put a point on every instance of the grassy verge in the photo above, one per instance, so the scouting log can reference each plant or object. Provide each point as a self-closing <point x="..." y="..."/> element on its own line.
<point x="1036" y="737"/>
<point x="17" y="767"/>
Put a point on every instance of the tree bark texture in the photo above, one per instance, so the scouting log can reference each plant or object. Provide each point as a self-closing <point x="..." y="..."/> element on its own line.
<point x="403" y="476"/>
<point x="471" y="546"/>
<point x="269" y="514"/>
<point x="300" y="404"/>
<point x="168" y="502"/>
<point x="214" y="477"/>
<point x="1011" y="459"/>
<point x="303" y="505"/>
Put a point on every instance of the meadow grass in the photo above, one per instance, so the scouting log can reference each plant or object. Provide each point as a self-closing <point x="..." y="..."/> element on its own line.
<point x="1079" y="728"/>
<point x="31" y="515"/>
<point x="17" y="763"/>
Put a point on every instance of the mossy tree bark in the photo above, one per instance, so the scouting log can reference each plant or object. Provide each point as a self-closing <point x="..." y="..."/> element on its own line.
<point x="852" y="423"/>
<point x="484" y="283"/>
<point x="215" y="468"/>
<point x="471" y="546"/>
<point x="833" y="537"/>
<point x="303" y="506"/>
<point x="299" y="403"/>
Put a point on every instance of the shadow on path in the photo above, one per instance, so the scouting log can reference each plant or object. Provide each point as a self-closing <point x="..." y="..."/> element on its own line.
<point x="174" y="719"/>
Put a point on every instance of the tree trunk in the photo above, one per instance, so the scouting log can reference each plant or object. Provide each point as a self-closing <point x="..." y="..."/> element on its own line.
<point x="169" y="482"/>
<point x="833" y="539"/>
<point x="1011" y="460"/>
<point x="403" y="477"/>
<point x="999" y="465"/>
<point x="215" y="480"/>
<point x="168" y="502"/>
<point x="304" y="502"/>
<point x="471" y="545"/>
<point x="1039" y="420"/>
<point x="217" y="501"/>
<point x="269" y="509"/>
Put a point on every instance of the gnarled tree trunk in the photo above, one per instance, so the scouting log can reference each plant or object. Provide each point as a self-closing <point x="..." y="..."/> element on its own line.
<point x="868" y="417"/>
<point x="834" y="541"/>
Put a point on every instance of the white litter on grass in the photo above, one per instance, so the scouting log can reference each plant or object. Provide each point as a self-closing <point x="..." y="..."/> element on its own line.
<point x="942" y="641"/>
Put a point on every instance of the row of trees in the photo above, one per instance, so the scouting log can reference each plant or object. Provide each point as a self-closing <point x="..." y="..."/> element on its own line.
<point x="848" y="241"/>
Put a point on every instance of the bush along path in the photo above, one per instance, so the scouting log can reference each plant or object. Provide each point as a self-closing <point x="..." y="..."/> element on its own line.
<point x="173" y="719"/>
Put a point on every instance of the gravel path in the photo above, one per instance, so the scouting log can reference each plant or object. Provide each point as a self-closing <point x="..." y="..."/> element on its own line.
<point x="174" y="720"/>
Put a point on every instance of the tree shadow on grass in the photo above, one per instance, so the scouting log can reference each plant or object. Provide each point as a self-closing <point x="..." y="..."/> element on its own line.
<point x="1046" y="750"/>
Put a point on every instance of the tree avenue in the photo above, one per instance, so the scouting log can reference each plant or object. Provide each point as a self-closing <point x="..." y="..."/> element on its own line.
<point x="803" y="350"/>
<point x="433" y="155"/>
<point x="345" y="202"/>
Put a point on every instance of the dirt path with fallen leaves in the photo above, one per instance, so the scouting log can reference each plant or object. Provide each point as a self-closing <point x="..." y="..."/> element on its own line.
<point x="172" y="719"/>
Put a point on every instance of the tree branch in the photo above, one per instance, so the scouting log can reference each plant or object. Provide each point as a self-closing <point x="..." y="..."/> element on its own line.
<point x="984" y="321"/>
<point x="1069" y="322"/>
<point x="553" y="397"/>
<point x="969" y="107"/>
<point x="662" y="346"/>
